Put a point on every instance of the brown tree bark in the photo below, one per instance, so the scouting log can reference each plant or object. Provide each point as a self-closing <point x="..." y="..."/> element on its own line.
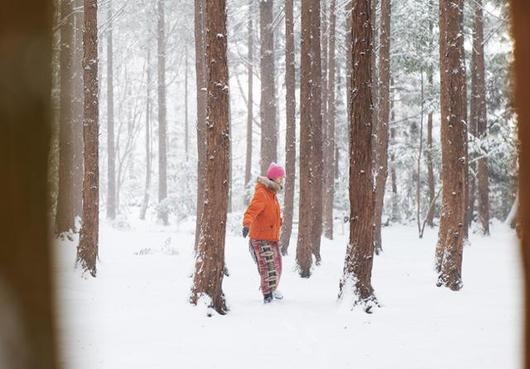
<point x="304" y="247"/>
<point x="382" y="122"/>
<point x="396" y="214"/>
<point x="200" y="76"/>
<point x="162" y="113"/>
<point x="478" y="119"/>
<point x="290" y="138"/>
<point x="65" y="216"/>
<point x="329" y="142"/>
<point x="316" y="128"/>
<point x="269" y="134"/>
<point x="360" y="251"/>
<point x="78" y="107"/>
<point x="27" y="297"/>
<point x="210" y="256"/>
<point x="111" y="154"/>
<point x="87" y="251"/>
<point x="250" y="94"/>
<point x="520" y="30"/>
<point x="453" y="136"/>
<point x="145" y="202"/>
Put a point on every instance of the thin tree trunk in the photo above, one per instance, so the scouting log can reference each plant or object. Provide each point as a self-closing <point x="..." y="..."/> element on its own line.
<point x="418" y="163"/>
<point x="453" y="137"/>
<point x="479" y="116"/>
<point x="186" y="122"/>
<point x="360" y="251"/>
<point x="329" y="148"/>
<point x="27" y="295"/>
<point x="200" y="76"/>
<point x="304" y="245"/>
<point x="290" y="138"/>
<point x="269" y="134"/>
<point x="145" y="203"/>
<point x="87" y="251"/>
<point x="162" y="122"/>
<point x="65" y="216"/>
<point x="111" y="164"/>
<point x="78" y="107"/>
<point x="250" y="99"/>
<point x="521" y="30"/>
<point x="382" y="123"/>
<point x="316" y="137"/>
<point x="430" y="162"/>
<point x="396" y="215"/>
<point x="210" y="256"/>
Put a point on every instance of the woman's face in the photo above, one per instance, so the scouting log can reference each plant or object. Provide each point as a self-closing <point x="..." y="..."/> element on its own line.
<point x="279" y="180"/>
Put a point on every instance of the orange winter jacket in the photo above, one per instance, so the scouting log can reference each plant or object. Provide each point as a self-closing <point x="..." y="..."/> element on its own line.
<point x="262" y="216"/>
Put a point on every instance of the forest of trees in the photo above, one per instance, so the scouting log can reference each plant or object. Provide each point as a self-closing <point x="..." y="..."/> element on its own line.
<point x="372" y="55"/>
<point x="382" y="112"/>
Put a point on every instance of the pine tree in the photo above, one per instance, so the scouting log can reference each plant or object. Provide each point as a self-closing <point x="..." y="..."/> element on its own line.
<point x="290" y="138"/>
<point x="209" y="265"/>
<point x="478" y="118"/>
<point x="360" y="251"/>
<point x="65" y="217"/>
<point x="162" y="114"/>
<point x="304" y="246"/>
<point x="269" y="134"/>
<point x="453" y="136"/>
<point x="87" y="250"/>
<point x="200" y="77"/>
<point x="111" y="155"/>
<point x="382" y="121"/>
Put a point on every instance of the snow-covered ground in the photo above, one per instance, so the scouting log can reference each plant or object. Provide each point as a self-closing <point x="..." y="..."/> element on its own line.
<point x="136" y="315"/>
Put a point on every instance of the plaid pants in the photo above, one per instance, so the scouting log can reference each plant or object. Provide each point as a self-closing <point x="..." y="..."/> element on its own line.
<point x="267" y="256"/>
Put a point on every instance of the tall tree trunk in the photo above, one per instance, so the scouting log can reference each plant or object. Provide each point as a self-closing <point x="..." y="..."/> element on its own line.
<point x="250" y="98"/>
<point x="304" y="247"/>
<point x="78" y="107"/>
<point x="382" y="122"/>
<point x="329" y="143"/>
<point x="87" y="251"/>
<point x="111" y="154"/>
<point x="418" y="162"/>
<point x="65" y="217"/>
<point x="27" y="298"/>
<point x="521" y="30"/>
<point x="316" y="137"/>
<point x="479" y="116"/>
<point x="290" y="138"/>
<point x="200" y="76"/>
<point x="186" y="122"/>
<point x="430" y="161"/>
<point x="145" y="202"/>
<point x="210" y="257"/>
<point x="162" y="110"/>
<point x="359" y="255"/>
<point x="453" y="137"/>
<point x="396" y="214"/>
<point x="269" y="134"/>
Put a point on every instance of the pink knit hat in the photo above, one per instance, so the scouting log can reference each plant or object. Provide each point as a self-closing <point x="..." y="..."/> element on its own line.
<point x="275" y="171"/>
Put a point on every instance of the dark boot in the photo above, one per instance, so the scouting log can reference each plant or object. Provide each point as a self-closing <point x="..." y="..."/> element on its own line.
<point x="267" y="298"/>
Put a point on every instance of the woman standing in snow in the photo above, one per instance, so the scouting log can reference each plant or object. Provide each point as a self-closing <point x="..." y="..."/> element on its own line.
<point x="262" y="219"/>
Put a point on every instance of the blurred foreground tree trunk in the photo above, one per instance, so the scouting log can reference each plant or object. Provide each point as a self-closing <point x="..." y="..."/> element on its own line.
<point x="27" y="318"/>
<point x="521" y="30"/>
<point x="111" y="154"/>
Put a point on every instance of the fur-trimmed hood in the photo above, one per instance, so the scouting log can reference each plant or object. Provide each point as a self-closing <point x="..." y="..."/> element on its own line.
<point x="276" y="187"/>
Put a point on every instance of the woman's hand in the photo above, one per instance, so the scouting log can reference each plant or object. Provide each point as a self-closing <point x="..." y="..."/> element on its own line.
<point x="245" y="232"/>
